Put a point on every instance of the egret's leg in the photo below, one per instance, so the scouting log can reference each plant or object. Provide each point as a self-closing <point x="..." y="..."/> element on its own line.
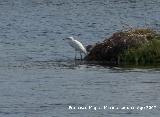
<point x="75" y="54"/>
<point x="81" y="55"/>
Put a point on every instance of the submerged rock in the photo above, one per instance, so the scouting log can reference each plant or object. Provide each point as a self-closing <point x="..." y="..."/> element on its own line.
<point x="110" y="49"/>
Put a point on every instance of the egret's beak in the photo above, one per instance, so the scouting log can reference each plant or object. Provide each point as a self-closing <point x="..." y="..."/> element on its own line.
<point x="65" y="39"/>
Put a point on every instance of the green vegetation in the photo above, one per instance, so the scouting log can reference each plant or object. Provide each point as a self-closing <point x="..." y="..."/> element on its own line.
<point x="147" y="53"/>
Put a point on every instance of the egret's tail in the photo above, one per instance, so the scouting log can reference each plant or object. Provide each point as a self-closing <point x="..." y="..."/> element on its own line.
<point x="85" y="52"/>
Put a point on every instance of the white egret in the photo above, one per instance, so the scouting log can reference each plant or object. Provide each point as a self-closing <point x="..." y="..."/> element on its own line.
<point x="78" y="46"/>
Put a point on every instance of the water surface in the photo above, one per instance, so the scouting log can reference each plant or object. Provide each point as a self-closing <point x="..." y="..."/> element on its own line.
<point x="38" y="74"/>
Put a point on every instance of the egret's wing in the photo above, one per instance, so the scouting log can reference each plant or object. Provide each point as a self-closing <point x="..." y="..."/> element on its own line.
<point x="77" y="46"/>
<point x="80" y="47"/>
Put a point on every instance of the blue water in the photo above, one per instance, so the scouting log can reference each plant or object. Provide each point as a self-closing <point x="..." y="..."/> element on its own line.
<point x="38" y="74"/>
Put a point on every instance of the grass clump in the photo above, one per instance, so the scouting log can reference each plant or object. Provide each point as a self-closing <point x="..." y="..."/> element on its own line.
<point x="148" y="53"/>
<point x="135" y="46"/>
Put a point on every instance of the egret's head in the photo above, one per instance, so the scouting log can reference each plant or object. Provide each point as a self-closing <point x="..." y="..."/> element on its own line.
<point x="69" y="38"/>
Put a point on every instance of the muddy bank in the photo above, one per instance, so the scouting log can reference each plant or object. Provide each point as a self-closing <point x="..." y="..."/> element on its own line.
<point x="113" y="49"/>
